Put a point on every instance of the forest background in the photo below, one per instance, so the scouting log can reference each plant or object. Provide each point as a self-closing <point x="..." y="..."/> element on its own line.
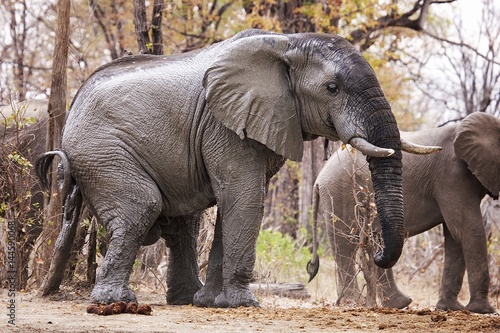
<point x="437" y="61"/>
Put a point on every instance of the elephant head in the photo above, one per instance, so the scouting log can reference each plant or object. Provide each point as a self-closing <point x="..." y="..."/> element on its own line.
<point x="477" y="142"/>
<point x="283" y="89"/>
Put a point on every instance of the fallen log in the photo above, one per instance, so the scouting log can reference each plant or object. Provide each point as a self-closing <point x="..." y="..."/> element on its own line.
<point x="290" y="290"/>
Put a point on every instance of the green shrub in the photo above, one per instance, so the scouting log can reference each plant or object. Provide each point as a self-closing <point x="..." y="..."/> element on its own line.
<point x="280" y="258"/>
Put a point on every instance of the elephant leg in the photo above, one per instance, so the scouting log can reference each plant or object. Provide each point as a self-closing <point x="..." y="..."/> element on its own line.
<point x="471" y="248"/>
<point x="476" y="261"/>
<point x="453" y="273"/>
<point x="181" y="236"/>
<point x="241" y="204"/>
<point x="213" y="286"/>
<point x="392" y="297"/>
<point x="127" y="217"/>
<point x="466" y="249"/>
<point x="344" y="251"/>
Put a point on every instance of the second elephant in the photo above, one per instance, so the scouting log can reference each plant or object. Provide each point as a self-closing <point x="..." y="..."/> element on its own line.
<point x="23" y="131"/>
<point x="445" y="188"/>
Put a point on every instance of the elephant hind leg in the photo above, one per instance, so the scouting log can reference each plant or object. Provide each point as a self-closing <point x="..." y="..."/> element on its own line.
<point x="181" y="236"/>
<point x="205" y="297"/>
<point x="453" y="273"/>
<point x="344" y="251"/>
<point x="127" y="211"/>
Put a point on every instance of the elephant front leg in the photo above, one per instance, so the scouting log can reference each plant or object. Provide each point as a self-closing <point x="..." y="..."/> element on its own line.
<point x="242" y="208"/>
<point x="475" y="253"/>
<point x="239" y="243"/>
<point x="181" y="236"/>
<point x="461" y="251"/>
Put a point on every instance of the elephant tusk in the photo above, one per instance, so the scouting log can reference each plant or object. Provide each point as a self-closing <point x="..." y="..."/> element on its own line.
<point x="368" y="149"/>
<point x="414" y="148"/>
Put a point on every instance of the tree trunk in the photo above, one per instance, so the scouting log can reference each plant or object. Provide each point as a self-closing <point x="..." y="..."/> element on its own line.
<point x="281" y="206"/>
<point x="156" y="27"/>
<point x="145" y="43"/>
<point x="18" y="12"/>
<point x="141" y="27"/>
<point x="57" y="114"/>
<point x="312" y="162"/>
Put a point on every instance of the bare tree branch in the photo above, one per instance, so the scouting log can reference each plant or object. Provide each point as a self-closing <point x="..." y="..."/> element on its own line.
<point x="460" y="44"/>
<point x="472" y="74"/>
<point x="393" y="19"/>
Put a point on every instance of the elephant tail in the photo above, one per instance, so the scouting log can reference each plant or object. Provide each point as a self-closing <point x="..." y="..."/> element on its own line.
<point x="64" y="178"/>
<point x="72" y="207"/>
<point x="313" y="264"/>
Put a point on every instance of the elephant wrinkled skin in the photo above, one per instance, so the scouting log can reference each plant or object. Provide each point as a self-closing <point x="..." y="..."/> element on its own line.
<point x="151" y="141"/>
<point x="445" y="188"/>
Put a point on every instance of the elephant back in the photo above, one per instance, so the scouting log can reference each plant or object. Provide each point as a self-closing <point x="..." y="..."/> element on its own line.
<point x="344" y="162"/>
<point x="30" y="138"/>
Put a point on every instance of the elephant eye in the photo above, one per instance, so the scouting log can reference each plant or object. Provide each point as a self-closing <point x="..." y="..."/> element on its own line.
<point x="332" y="87"/>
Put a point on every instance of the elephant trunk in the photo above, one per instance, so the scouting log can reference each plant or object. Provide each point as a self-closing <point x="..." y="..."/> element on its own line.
<point x="386" y="173"/>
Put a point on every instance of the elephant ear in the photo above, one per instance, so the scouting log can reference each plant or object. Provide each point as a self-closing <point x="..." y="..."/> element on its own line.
<point x="477" y="142"/>
<point x="248" y="91"/>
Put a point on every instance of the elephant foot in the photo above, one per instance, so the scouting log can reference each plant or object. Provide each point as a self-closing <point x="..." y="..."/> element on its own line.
<point x="449" y="305"/>
<point x="183" y="294"/>
<point x="480" y="307"/>
<point x="108" y="293"/>
<point x="205" y="297"/>
<point x="396" y="301"/>
<point x="236" y="298"/>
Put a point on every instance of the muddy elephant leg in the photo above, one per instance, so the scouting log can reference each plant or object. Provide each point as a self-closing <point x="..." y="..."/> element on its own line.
<point x="241" y="204"/>
<point x="213" y="285"/>
<point x="181" y="237"/>
<point x="392" y="297"/>
<point x="453" y="273"/>
<point x="344" y="251"/>
<point x="127" y="218"/>
<point x="239" y="237"/>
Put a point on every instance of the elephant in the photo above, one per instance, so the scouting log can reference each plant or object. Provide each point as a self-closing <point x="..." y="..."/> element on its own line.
<point x="441" y="189"/>
<point x="151" y="141"/>
<point x="31" y="136"/>
<point x="19" y="134"/>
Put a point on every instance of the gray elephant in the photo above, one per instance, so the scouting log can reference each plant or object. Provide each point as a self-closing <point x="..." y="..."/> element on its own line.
<point x="152" y="141"/>
<point x="23" y="194"/>
<point x="445" y="188"/>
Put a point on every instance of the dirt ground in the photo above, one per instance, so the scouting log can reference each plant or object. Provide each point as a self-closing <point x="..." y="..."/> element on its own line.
<point x="66" y="312"/>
